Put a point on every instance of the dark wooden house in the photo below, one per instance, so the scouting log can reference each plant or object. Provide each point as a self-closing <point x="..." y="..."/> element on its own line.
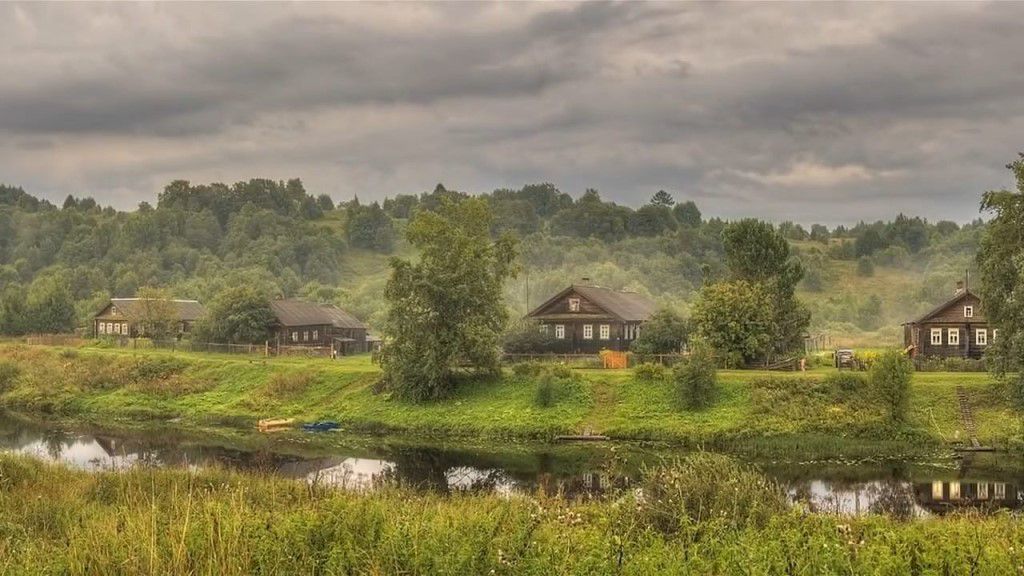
<point x="126" y="317"/>
<point x="955" y="328"/>
<point x="585" y="319"/>
<point x="301" y="323"/>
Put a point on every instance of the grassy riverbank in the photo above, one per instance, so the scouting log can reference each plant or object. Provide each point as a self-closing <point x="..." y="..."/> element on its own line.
<point x="212" y="390"/>
<point x="149" y="521"/>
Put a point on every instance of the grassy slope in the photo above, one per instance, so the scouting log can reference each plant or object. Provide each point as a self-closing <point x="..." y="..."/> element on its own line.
<point x="151" y="521"/>
<point x="229" y="390"/>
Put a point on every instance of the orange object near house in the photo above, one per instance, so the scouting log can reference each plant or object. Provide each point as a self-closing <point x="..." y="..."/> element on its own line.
<point x="612" y="359"/>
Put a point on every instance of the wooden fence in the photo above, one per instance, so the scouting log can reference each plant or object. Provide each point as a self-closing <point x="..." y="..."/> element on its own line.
<point x="266" y="349"/>
<point x="591" y="360"/>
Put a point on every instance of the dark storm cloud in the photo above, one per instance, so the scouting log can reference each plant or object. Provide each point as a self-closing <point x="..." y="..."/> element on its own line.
<point x="828" y="112"/>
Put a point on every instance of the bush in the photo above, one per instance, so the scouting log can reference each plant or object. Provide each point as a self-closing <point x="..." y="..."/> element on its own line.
<point x="526" y="336"/>
<point x="937" y="364"/>
<point x="8" y="374"/>
<point x="650" y="372"/>
<point x="865" y="267"/>
<point x="704" y="489"/>
<point x="545" y="395"/>
<point x="890" y="377"/>
<point x="846" y="381"/>
<point x="696" y="378"/>
<point x="527" y="368"/>
<point x="284" y="384"/>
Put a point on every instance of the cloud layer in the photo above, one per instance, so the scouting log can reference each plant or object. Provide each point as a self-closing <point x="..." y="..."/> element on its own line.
<point x="812" y="112"/>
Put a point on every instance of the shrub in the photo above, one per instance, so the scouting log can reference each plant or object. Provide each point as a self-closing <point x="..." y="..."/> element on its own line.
<point x="846" y="381"/>
<point x="890" y="377"/>
<point x="545" y="395"/>
<point x="527" y="368"/>
<point x="865" y="267"/>
<point x="68" y="354"/>
<point x="696" y="378"/>
<point x="8" y="374"/>
<point x="283" y="384"/>
<point x="705" y="488"/>
<point x="650" y="372"/>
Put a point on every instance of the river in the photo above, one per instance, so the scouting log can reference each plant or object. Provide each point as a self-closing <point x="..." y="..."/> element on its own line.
<point x="920" y="484"/>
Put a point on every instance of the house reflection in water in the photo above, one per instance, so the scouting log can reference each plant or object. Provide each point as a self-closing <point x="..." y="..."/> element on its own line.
<point x="944" y="496"/>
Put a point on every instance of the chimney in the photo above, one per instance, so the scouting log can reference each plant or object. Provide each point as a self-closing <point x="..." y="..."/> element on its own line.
<point x="585" y="280"/>
<point x="959" y="288"/>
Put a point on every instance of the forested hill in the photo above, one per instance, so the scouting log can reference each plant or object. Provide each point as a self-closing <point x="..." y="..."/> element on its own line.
<point x="58" y="264"/>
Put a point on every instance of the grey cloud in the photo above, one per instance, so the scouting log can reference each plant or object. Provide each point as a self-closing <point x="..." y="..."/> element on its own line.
<point x="775" y="110"/>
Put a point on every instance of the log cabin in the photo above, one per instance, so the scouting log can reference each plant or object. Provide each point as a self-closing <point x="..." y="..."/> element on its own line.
<point x="955" y="328"/>
<point x="585" y="319"/>
<point x="126" y="317"/>
<point x="301" y="323"/>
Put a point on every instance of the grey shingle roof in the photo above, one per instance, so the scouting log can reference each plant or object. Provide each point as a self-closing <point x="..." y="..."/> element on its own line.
<point x="188" y="310"/>
<point x="629" y="306"/>
<point x="956" y="298"/>
<point x="292" y="312"/>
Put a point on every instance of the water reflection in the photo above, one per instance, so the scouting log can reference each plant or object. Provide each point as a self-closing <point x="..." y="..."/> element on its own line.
<point x="902" y="489"/>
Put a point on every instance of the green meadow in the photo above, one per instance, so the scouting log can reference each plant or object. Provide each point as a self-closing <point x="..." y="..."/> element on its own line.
<point x="204" y="390"/>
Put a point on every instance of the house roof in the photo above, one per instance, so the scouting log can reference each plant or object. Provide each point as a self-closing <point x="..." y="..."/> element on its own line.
<point x="629" y="306"/>
<point x="187" y="310"/>
<point x="956" y="298"/>
<point x="292" y="312"/>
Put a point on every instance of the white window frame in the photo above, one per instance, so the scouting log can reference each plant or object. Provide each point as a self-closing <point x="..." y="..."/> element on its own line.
<point x="102" y="328"/>
<point x="999" y="491"/>
<point x="968" y="311"/>
<point x="316" y="334"/>
<point x="295" y="336"/>
<point x="995" y="332"/>
<point x="953" y="336"/>
<point x="560" y="331"/>
<point x="936" y="335"/>
<point x="606" y="331"/>
<point x="305" y="335"/>
<point x="588" y="331"/>
<point x="981" y="337"/>
<point x="574" y="304"/>
<point x="545" y="328"/>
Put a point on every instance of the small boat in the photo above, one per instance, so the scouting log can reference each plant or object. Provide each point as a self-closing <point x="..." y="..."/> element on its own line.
<point x="321" y="426"/>
<point x="274" y="424"/>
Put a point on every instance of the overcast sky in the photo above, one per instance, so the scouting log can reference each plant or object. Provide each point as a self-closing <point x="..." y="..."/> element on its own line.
<point x="810" y="112"/>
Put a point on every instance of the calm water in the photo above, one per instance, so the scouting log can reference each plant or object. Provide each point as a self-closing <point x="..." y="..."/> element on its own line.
<point x="910" y="486"/>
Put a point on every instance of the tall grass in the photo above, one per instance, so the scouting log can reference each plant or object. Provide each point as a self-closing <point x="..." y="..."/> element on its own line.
<point x="151" y="521"/>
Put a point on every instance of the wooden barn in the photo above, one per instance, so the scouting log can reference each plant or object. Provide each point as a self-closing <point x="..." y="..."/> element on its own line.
<point x="126" y="317"/>
<point x="584" y="319"/>
<point x="301" y="323"/>
<point x="955" y="328"/>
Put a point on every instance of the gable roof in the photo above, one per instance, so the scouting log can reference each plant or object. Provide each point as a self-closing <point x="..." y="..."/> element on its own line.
<point x="948" y="303"/>
<point x="293" y="312"/>
<point x="185" y="310"/>
<point x="628" y="306"/>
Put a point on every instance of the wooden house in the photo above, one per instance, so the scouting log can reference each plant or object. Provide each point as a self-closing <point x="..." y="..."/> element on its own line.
<point x="955" y="328"/>
<point x="126" y="317"/>
<point x="301" y="323"/>
<point x="584" y="319"/>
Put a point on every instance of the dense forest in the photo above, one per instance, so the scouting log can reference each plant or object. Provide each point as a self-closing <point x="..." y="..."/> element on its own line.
<point x="59" y="264"/>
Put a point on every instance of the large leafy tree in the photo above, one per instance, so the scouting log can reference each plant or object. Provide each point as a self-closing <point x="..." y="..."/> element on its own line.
<point x="735" y="318"/>
<point x="240" y="314"/>
<point x="446" y="311"/>
<point x="1001" y="264"/>
<point x="756" y="252"/>
<point x="158" y="316"/>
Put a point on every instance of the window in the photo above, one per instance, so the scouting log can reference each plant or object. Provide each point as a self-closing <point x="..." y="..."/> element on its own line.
<point x="102" y="328"/>
<point x="588" y="331"/>
<point x="954" y="490"/>
<point x="606" y="331"/>
<point x="953" y="339"/>
<point x="574" y="304"/>
<point x="117" y="328"/>
<point x="981" y="337"/>
<point x="999" y="491"/>
<point x="983" y="491"/>
<point x="295" y="336"/>
<point x="316" y="334"/>
<point x="110" y="328"/>
<point x="936" y="336"/>
<point x="560" y="331"/>
<point x="305" y="335"/>
<point x="937" y="490"/>
<point x="545" y="329"/>
<point x="968" y="311"/>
